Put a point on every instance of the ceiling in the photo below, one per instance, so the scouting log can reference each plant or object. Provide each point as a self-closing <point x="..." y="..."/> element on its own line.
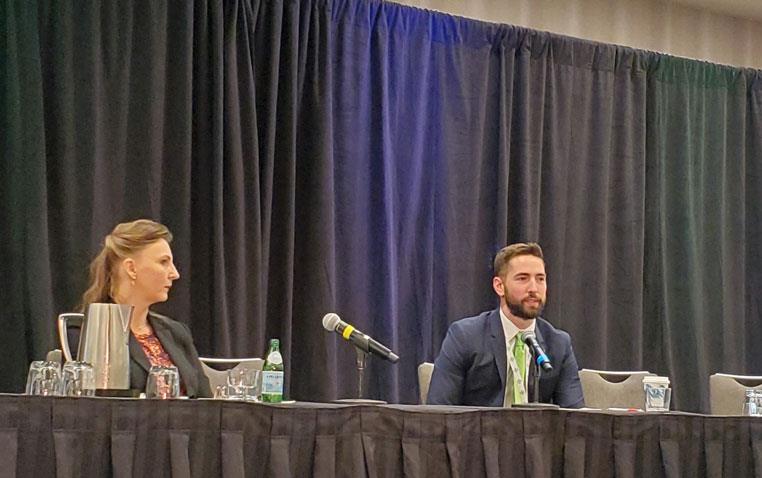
<point x="735" y="8"/>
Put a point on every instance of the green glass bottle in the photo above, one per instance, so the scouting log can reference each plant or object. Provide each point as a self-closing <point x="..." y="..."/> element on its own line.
<point x="272" y="374"/>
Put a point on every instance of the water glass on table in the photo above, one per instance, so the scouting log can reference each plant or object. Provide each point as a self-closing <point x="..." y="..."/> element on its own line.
<point x="44" y="379"/>
<point x="223" y="392"/>
<point x="34" y="371"/>
<point x="163" y="382"/>
<point x="78" y="379"/>
<point x="244" y="384"/>
<point x="752" y="405"/>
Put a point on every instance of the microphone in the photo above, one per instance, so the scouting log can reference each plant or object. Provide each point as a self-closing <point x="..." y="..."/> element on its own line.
<point x="539" y="355"/>
<point x="333" y="323"/>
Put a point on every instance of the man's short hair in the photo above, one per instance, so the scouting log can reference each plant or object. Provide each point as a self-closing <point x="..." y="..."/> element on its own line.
<point x="507" y="253"/>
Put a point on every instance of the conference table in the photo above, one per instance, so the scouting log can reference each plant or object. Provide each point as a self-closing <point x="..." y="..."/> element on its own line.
<point x="75" y="437"/>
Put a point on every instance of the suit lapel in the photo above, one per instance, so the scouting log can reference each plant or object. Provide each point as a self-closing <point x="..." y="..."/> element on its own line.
<point x="175" y="352"/>
<point x="540" y="338"/>
<point x="137" y="354"/>
<point x="497" y="343"/>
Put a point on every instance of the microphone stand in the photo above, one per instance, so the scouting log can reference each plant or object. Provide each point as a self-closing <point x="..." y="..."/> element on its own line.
<point x="536" y="381"/>
<point x="535" y="402"/>
<point x="361" y="358"/>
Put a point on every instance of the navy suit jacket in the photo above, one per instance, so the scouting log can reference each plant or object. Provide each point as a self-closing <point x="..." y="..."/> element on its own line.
<point x="176" y="339"/>
<point x="471" y="367"/>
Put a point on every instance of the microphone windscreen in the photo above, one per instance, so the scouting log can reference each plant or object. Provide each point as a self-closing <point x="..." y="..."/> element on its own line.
<point x="528" y="335"/>
<point x="331" y="321"/>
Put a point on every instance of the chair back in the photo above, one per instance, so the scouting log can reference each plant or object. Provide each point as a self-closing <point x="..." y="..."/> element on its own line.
<point x="609" y="389"/>
<point x="424" y="378"/>
<point x="728" y="392"/>
<point x="216" y="369"/>
<point x="54" y="355"/>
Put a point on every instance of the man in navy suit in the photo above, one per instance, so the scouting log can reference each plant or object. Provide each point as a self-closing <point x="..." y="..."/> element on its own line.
<point x="484" y="360"/>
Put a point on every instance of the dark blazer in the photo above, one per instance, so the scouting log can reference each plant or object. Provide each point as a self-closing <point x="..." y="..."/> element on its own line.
<point x="177" y="341"/>
<point x="471" y="367"/>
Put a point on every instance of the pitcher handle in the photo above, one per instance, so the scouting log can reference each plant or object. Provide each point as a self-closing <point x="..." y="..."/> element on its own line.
<point x="63" y="323"/>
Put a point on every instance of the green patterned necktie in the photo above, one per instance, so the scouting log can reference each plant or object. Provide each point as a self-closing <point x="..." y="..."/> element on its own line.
<point x="519" y="355"/>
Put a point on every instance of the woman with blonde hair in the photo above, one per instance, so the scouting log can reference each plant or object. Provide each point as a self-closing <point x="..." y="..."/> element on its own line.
<point x="136" y="267"/>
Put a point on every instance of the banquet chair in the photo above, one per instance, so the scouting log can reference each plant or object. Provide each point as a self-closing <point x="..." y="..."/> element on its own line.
<point x="727" y="392"/>
<point x="424" y="378"/>
<point x="216" y="369"/>
<point x="609" y="389"/>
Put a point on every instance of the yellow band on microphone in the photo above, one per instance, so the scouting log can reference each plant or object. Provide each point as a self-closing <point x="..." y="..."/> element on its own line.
<point x="347" y="332"/>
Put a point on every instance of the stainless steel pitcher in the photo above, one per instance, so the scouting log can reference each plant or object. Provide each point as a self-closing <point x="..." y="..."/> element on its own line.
<point x="103" y="342"/>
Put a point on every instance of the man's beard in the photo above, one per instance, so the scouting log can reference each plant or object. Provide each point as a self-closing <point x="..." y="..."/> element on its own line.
<point x="519" y="310"/>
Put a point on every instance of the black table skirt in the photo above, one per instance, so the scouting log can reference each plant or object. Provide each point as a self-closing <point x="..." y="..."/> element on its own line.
<point x="67" y="437"/>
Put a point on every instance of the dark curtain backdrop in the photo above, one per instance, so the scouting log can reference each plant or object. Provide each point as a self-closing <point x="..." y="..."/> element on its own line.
<point x="369" y="159"/>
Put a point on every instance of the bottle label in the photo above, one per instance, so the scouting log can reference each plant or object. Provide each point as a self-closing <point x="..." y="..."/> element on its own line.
<point x="272" y="383"/>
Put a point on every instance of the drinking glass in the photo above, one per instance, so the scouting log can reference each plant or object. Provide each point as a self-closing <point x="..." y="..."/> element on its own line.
<point x="78" y="379"/>
<point x="222" y="392"/>
<point x="45" y="379"/>
<point x="253" y="385"/>
<point x="235" y="388"/>
<point x="244" y="383"/>
<point x="752" y="405"/>
<point x="163" y="382"/>
<point x="34" y="371"/>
